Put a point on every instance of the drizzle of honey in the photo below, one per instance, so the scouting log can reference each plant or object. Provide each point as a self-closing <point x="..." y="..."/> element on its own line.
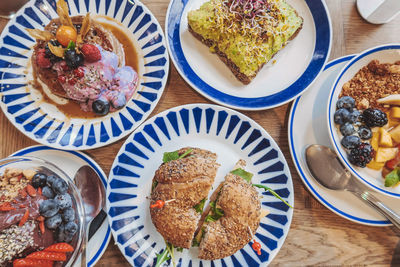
<point x="72" y="109"/>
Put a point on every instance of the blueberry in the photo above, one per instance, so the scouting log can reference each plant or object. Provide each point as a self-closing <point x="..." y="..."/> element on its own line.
<point x="101" y="106"/>
<point x="63" y="201"/>
<point x="60" y="233"/>
<point x="346" y="102"/>
<point x="39" y="180"/>
<point x="341" y="116"/>
<point x="347" y="129"/>
<point x="53" y="222"/>
<point x="73" y="59"/>
<point x="354" y="116"/>
<point x="68" y="215"/>
<point x="364" y="132"/>
<point x="70" y="230"/>
<point x="48" y="192"/>
<point x="350" y="141"/>
<point x="59" y="186"/>
<point x="50" y="180"/>
<point x="48" y="208"/>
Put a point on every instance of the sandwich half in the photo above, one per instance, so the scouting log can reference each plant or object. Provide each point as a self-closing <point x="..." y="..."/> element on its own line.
<point x="245" y="34"/>
<point x="184" y="179"/>
<point x="234" y="210"/>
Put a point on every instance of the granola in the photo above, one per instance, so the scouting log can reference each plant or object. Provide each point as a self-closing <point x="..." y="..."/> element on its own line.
<point x="373" y="82"/>
<point x="12" y="181"/>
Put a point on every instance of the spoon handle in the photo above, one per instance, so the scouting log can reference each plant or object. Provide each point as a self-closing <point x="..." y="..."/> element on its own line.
<point x="374" y="202"/>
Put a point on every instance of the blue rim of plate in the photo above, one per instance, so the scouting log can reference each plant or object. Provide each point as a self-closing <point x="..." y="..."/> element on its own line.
<point x="232" y="127"/>
<point x="320" y="56"/>
<point x="98" y="170"/>
<point x="300" y="170"/>
<point x="80" y="134"/>
<point x="331" y="134"/>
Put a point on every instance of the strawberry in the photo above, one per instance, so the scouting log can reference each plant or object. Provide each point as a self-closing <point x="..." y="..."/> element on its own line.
<point x="6" y="207"/>
<point x="24" y="218"/>
<point x="60" y="247"/>
<point x="31" y="190"/>
<point x="41" y="227"/>
<point x="32" y="262"/>
<point x="42" y="60"/>
<point x="47" y="255"/>
<point x="23" y="193"/>
<point x="91" y="53"/>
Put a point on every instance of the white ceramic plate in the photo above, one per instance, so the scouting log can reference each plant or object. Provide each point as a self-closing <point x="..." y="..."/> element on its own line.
<point x="71" y="162"/>
<point x="42" y="121"/>
<point x="296" y="67"/>
<point x="306" y="127"/>
<point x="228" y="133"/>
<point x="389" y="53"/>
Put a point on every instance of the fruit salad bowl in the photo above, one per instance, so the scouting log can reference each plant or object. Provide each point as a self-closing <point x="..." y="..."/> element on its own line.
<point x="359" y="129"/>
<point x="47" y="211"/>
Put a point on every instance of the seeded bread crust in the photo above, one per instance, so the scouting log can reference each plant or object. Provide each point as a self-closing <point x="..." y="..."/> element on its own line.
<point x="188" y="181"/>
<point x="232" y="66"/>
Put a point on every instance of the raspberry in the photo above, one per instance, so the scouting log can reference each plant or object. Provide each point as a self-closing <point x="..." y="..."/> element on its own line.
<point x="79" y="72"/>
<point x="42" y="60"/>
<point x="91" y="53"/>
<point x="62" y="79"/>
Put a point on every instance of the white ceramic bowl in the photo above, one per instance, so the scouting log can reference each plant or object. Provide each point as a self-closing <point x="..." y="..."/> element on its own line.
<point x="388" y="53"/>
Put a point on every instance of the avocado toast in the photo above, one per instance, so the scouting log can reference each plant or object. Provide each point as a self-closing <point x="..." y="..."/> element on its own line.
<point x="245" y="34"/>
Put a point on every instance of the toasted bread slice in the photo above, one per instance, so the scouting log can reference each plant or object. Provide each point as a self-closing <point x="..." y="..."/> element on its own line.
<point x="244" y="55"/>
<point x="97" y="34"/>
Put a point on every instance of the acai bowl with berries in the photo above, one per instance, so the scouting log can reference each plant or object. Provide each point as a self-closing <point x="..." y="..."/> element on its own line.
<point x="41" y="214"/>
<point x="364" y="118"/>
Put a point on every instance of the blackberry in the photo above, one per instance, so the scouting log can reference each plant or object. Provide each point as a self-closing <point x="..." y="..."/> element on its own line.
<point x="73" y="59"/>
<point x="53" y="58"/>
<point x="374" y="117"/>
<point x="361" y="155"/>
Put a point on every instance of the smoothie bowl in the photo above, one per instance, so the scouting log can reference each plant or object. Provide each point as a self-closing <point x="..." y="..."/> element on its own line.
<point x="364" y="118"/>
<point x="41" y="214"/>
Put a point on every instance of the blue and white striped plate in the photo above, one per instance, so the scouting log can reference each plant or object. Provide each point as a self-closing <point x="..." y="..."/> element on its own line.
<point x="306" y="117"/>
<point x="71" y="162"/>
<point x="43" y="122"/>
<point x="228" y="133"/>
<point x="296" y="67"/>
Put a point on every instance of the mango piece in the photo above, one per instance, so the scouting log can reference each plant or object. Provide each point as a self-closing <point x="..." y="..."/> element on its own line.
<point x="395" y="134"/>
<point x="395" y="112"/>
<point x="375" y="165"/>
<point x="385" y="154"/>
<point x="385" y="138"/>
<point x="375" y="140"/>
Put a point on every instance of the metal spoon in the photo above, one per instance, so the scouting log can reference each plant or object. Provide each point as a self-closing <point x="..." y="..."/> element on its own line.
<point x="327" y="170"/>
<point x="93" y="196"/>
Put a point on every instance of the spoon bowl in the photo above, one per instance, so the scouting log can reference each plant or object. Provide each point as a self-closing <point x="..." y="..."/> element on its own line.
<point x="327" y="170"/>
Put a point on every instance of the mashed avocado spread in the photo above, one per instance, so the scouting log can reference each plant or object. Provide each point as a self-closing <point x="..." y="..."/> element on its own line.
<point x="249" y="32"/>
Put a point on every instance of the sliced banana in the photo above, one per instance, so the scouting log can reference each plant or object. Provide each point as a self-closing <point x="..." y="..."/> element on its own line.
<point x="390" y="100"/>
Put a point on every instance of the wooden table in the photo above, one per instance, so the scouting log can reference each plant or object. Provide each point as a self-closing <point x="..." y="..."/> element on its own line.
<point x="317" y="236"/>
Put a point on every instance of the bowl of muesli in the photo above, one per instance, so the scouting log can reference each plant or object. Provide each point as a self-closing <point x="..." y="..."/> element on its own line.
<point x="41" y="214"/>
<point x="364" y="118"/>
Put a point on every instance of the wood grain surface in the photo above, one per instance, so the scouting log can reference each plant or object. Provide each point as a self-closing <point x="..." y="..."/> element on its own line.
<point x="317" y="236"/>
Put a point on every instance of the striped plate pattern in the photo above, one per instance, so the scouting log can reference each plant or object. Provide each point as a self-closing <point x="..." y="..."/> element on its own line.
<point x="228" y="133"/>
<point x="43" y="122"/>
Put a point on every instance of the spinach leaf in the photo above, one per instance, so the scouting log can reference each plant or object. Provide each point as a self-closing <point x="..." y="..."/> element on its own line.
<point x="174" y="155"/>
<point x="392" y="178"/>
<point x="200" y="206"/>
<point x="266" y="188"/>
<point x="244" y="174"/>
